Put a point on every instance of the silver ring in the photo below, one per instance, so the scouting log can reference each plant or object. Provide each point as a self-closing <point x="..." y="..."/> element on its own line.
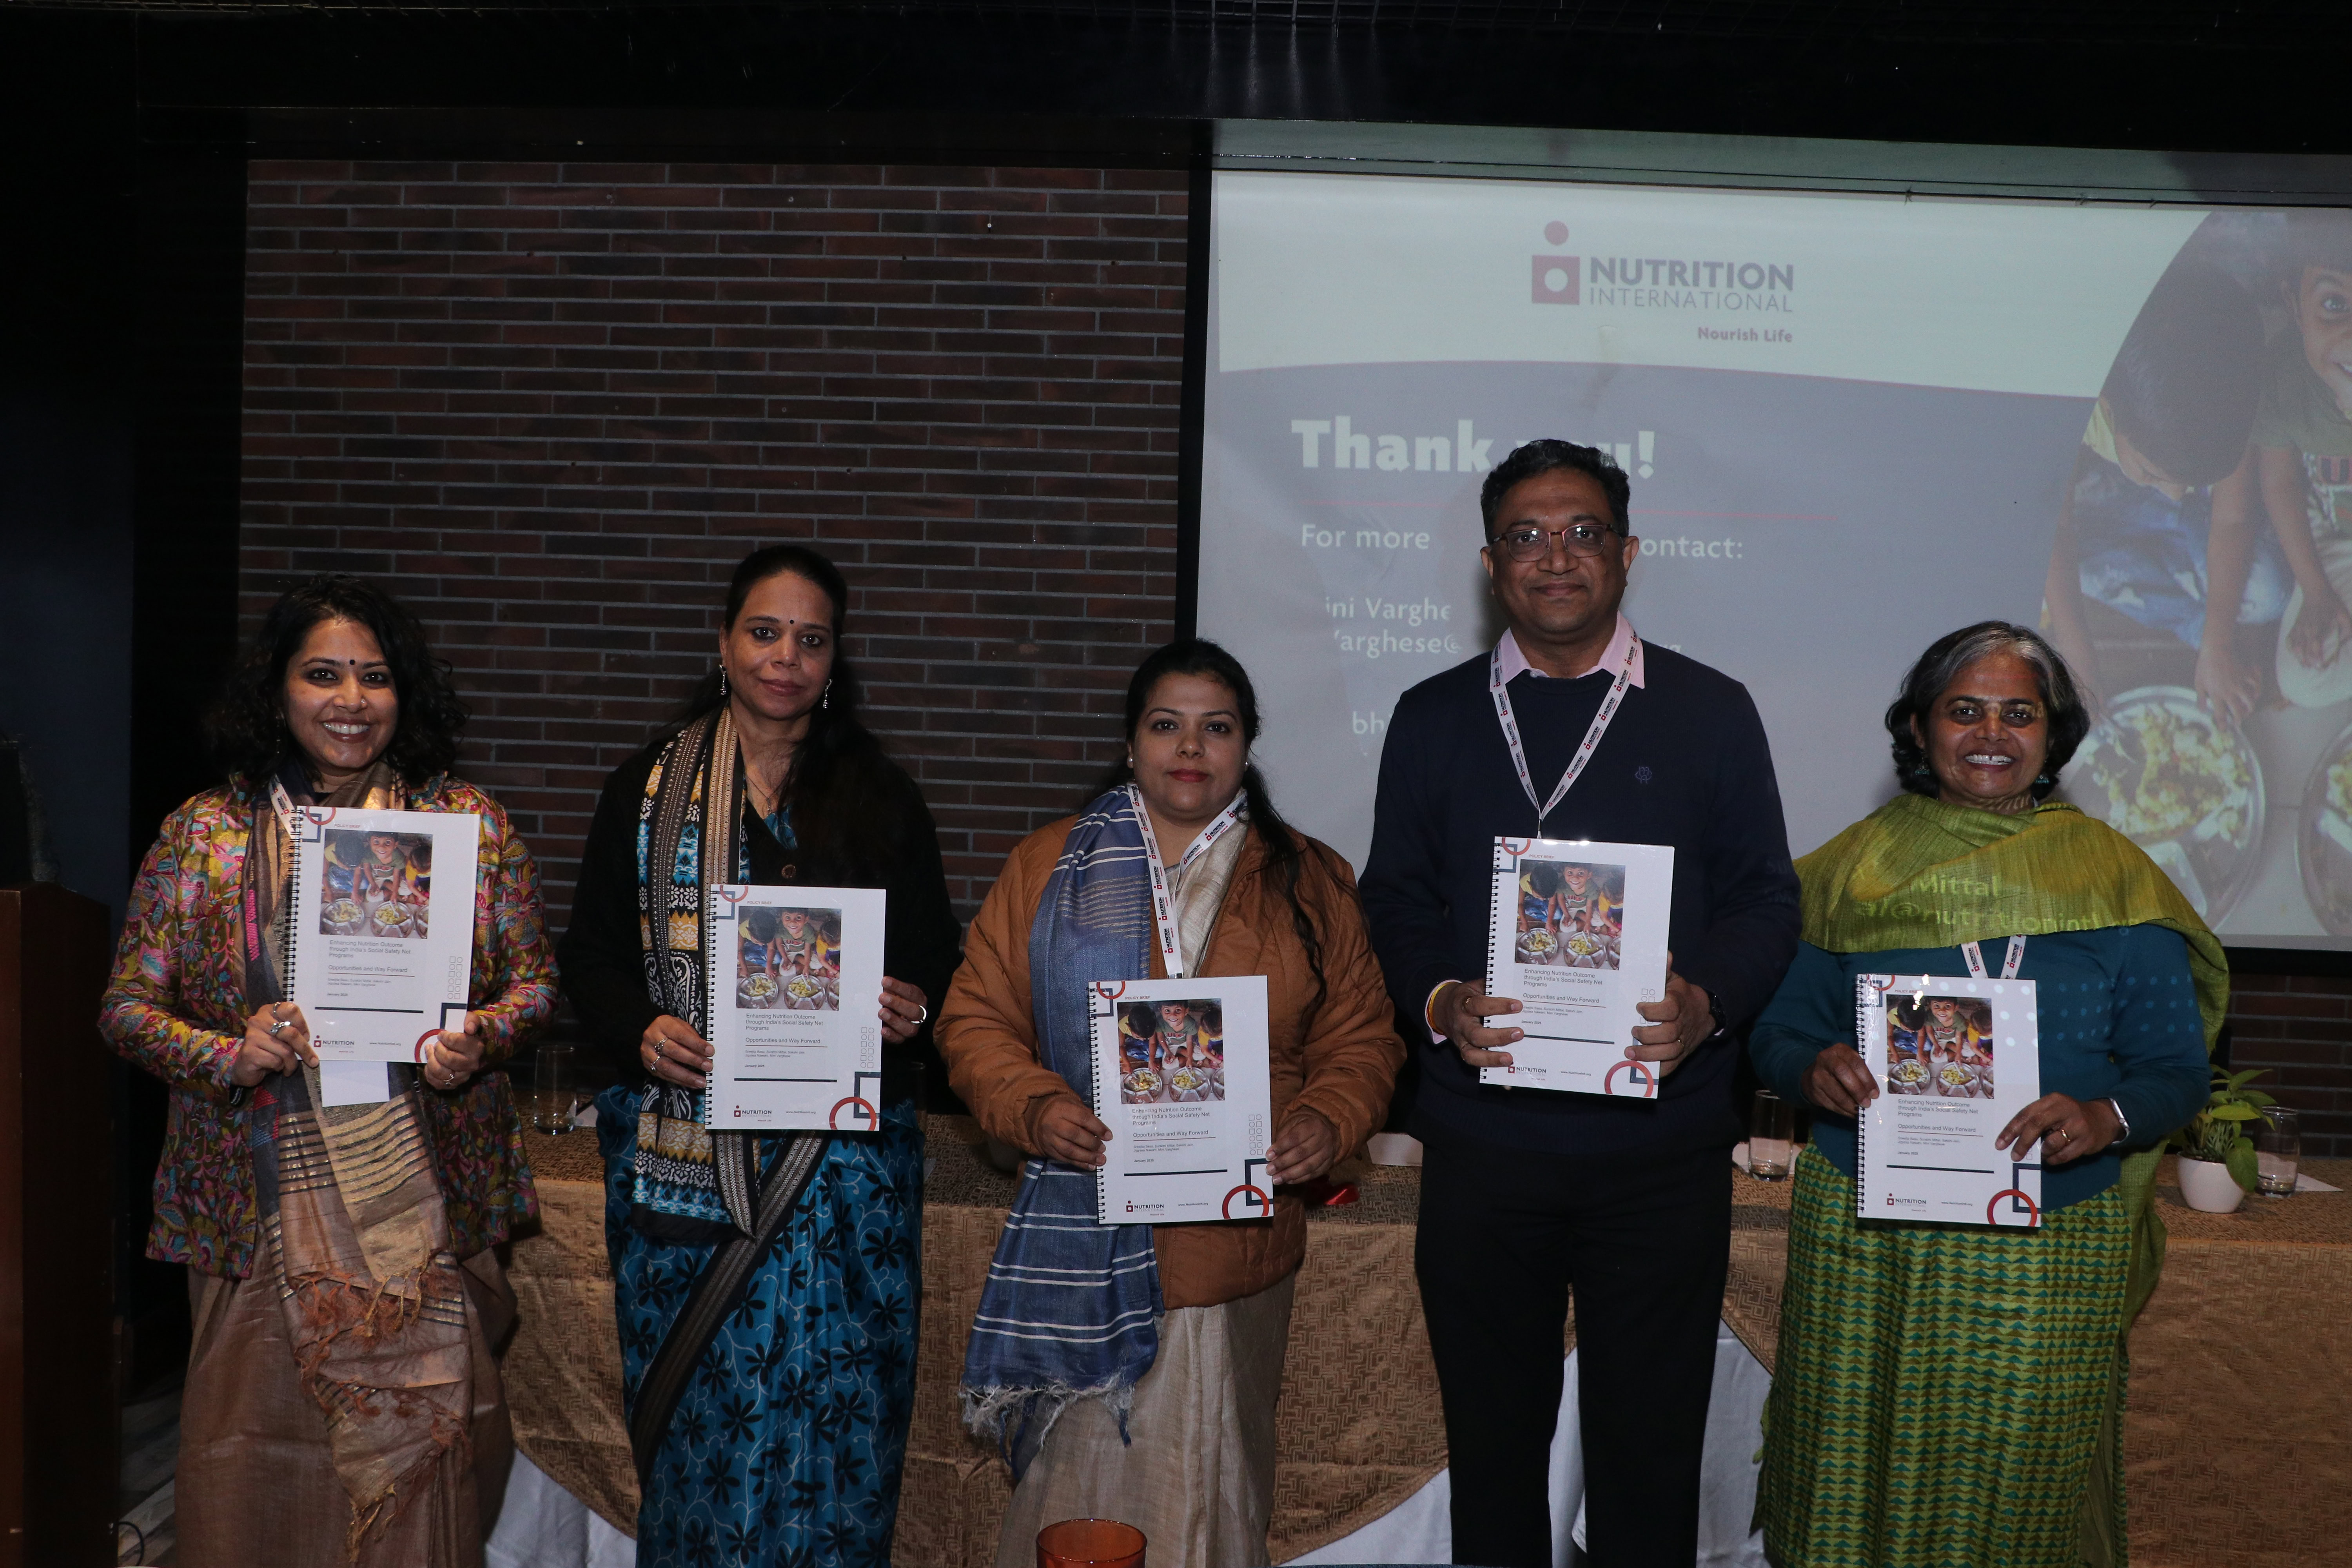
<point x="661" y="1048"/>
<point x="922" y="1014"/>
<point x="282" y="1023"/>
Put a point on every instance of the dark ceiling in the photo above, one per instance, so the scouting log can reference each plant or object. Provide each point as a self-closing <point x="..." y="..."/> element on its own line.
<point x="2250" y="77"/>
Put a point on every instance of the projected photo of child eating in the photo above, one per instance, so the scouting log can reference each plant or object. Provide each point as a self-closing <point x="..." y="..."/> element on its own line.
<point x="1942" y="1046"/>
<point x="376" y="884"/>
<point x="1171" y="1053"/>
<point x="788" y="958"/>
<point x="1572" y="914"/>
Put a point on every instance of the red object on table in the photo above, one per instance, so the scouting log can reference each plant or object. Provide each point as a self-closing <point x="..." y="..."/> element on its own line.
<point x="1322" y="1194"/>
<point x="1090" y="1543"/>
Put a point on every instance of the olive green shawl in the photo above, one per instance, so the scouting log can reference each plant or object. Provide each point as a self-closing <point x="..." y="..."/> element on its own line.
<point x="1918" y="873"/>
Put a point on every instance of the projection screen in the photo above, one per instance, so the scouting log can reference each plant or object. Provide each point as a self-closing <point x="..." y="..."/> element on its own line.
<point x="1852" y="423"/>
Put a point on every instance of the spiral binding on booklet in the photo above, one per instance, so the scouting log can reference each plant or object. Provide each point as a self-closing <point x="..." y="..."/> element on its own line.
<point x="1863" y="984"/>
<point x="1098" y="1007"/>
<point x="1496" y="955"/>
<point x="294" y="896"/>
<point x="285" y="935"/>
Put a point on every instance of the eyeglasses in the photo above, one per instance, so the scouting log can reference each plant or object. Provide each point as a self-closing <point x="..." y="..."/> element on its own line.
<point x="1533" y="544"/>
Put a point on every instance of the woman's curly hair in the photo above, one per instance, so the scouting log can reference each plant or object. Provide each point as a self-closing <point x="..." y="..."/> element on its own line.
<point x="247" y="728"/>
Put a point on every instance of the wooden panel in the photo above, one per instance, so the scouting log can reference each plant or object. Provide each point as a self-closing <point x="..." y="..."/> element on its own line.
<point x="58" y="1406"/>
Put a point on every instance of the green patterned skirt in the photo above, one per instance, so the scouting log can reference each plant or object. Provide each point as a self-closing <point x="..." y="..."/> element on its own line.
<point x="1946" y="1396"/>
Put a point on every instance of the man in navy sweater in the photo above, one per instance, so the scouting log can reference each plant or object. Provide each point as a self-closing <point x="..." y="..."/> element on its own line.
<point x="1528" y="1195"/>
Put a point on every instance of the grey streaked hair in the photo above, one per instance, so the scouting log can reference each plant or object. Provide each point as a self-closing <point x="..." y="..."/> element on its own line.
<point x="2070" y="717"/>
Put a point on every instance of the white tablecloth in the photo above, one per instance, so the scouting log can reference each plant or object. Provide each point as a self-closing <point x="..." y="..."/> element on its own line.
<point x="543" y="1526"/>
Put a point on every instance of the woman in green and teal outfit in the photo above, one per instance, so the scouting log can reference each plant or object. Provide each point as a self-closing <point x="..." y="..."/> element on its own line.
<point x="1949" y="1396"/>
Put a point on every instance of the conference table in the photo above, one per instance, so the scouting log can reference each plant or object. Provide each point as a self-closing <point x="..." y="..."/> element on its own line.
<point x="2237" y="1429"/>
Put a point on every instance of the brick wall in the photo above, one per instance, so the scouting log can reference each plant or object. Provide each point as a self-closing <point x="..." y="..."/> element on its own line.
<point x="554" y="404"/>
<point x="2299" y="1027"/>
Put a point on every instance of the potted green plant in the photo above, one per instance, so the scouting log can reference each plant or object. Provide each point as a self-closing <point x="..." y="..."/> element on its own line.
<point x="2217" y="1158"/>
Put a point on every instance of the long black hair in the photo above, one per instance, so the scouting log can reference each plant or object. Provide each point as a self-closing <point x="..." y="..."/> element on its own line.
<point x="847" y="796"/>
<point x="246" y="725"/>
<point x="1286" y="849"/>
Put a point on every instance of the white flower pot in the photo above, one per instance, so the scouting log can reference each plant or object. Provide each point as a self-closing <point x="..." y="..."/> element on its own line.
<point x="2206" y="1184"/>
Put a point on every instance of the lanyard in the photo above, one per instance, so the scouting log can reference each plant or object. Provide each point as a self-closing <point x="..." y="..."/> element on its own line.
<point x="283" y="804"/>
<point x="1975" y="955"/>
<point x="1163" y="908"/>
<point x="1591" y="742"/>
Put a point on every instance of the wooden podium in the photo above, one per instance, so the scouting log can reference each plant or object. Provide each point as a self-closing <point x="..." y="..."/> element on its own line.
<point x="58" y="1411"/>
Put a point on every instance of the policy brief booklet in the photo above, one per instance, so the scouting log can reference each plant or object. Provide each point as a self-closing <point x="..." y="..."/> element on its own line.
<point x="1956" y="1058"/>
<point x="1576" y="933"/>
<point x="380" y="930"/>
<point x="1182" y="1080"/>
<point x="795" y="978"/>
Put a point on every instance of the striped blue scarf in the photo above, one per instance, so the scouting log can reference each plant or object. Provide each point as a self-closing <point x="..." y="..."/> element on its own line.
<point x="1071" y="1307"/>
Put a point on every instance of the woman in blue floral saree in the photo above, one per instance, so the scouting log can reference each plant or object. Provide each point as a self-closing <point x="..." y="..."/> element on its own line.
<point x="766" y="1285"/>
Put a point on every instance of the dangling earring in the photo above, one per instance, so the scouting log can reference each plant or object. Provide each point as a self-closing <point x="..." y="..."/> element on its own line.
<point x="825" y="697"/>
<point x="722" y="683"/>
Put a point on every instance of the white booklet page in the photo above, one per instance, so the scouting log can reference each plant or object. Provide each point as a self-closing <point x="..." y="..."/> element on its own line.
<point x="796" y="997"/>
<point x="1181" y="1081"/>
<point x="1577" y="931"/>
<point x="1956" y="1058"/>
<point x="380" y="932"/>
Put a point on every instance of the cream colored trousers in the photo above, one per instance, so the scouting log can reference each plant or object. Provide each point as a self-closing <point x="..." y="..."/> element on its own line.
<point x="1198" y="1477"/>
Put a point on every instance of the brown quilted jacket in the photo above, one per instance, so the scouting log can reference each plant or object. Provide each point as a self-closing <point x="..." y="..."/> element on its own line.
<point x="1345" y="1067"/>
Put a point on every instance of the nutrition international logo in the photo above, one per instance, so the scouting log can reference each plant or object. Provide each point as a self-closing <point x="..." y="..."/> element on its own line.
<point x="1657" y="282"/>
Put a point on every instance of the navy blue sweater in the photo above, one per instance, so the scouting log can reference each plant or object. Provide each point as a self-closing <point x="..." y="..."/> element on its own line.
<point x="1685" y="764"/>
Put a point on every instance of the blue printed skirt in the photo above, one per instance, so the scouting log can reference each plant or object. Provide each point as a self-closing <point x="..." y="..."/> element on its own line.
<point x="787" y="1446"/>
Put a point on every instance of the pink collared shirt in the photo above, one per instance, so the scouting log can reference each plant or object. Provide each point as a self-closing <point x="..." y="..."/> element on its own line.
<point x="1514" y="663"/>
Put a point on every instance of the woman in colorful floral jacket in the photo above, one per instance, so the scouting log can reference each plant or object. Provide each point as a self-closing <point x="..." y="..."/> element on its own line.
<point x="334" y="1251"/>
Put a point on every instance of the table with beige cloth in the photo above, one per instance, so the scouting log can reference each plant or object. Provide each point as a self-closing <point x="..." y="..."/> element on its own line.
<point x="2237" y="1434"/>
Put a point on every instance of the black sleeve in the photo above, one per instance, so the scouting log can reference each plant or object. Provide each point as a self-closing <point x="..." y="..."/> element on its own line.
<point x="602" y="956"/>
<point x="1751" y="934"/>
<point x="1403" y="893"/>
<point x="922" y="941"/>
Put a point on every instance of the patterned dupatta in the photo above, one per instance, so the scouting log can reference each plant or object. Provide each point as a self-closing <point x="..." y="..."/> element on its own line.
<point x="1071" y="1306"/>
<point x="692" y="1185"/>
<point x="1918" y="872"/>
<point x="355" y="1237"/>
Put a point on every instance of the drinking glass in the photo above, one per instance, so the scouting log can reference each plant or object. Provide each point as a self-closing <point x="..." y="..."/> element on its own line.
<point x="1090" y="1543"/>
<point x="554" y="1095"/>
<point x="1772" y="1128"/>
<point x="2278" y="1150"/>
